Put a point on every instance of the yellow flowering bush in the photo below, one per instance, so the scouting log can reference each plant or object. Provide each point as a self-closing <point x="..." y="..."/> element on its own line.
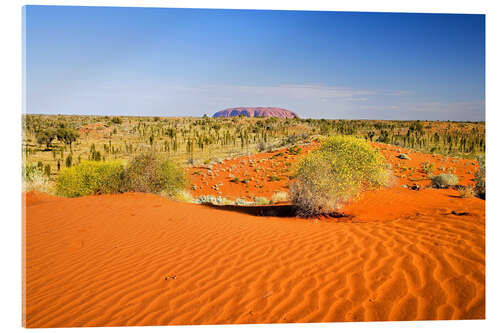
<point x="336" y="173"/>
<point x="90" y="177"/>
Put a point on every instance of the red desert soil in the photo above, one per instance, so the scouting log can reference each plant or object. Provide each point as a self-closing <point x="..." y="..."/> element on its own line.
<point x="95" y="130"/>
<point x="252" y="173"/>
<point x="140" y="259"/>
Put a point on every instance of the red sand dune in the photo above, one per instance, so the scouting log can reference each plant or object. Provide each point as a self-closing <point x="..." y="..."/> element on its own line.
<point x="140" y="259"/>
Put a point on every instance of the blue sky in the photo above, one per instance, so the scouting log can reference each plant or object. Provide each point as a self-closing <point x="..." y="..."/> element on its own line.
<point x="188" y="62"/>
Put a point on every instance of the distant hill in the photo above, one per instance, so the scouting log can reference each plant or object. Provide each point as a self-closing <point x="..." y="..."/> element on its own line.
<point x="256" y="112"/>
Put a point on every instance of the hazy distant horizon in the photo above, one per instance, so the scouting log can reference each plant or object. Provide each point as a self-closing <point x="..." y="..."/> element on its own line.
<point x="211" y="116"/>
<point x="189" y="62"/>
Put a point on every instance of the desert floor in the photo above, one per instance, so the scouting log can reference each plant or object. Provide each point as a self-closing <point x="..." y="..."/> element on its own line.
<point x="141" y="259"/>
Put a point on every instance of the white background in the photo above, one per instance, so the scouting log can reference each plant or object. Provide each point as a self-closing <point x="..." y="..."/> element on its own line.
<point x="10" y="161"/>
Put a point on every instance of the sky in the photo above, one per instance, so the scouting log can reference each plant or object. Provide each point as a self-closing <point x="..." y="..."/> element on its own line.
<point x="190" y="62"/>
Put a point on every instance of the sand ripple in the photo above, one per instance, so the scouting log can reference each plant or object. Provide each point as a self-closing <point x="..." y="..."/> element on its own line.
<point x="111" y="260"/>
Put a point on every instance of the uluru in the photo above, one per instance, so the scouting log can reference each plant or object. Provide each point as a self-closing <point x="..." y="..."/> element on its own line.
<point x="256" y="112"/>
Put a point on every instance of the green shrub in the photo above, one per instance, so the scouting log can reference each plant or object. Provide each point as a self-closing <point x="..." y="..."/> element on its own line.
<point x="34" y="179"/>
<point x="334" y="174"/>
<point x="46" y="170"/>
<point x="444" y="180"/>
<point x="480" y="179"/>
<point x="116" y="120"/>
<point x="91" y="177"/>
<point x="69" y="161"/>
<point x="294" y="150"/>
<point x="147" y="173"/>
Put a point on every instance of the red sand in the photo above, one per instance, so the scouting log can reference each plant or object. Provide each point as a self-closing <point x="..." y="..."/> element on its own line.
<point x="140" y="259"/>
<point x="255" y="168"/>
<point x="96" y="130"/>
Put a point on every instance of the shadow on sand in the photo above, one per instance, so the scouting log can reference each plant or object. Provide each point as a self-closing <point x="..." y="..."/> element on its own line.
<point x="274" y="210"/>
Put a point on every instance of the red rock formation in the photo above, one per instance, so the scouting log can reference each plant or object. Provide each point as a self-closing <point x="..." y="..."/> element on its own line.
<point x="256" y="112"/>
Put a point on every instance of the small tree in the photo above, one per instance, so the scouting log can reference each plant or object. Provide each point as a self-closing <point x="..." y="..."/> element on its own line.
<point x="47" y="170"/>
<point x="69" y="160"/>
<point x="67" y="135"/>
<point x="45" y="137"/>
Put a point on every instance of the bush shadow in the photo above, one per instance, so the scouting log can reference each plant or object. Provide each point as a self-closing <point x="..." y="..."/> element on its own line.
<point x="286" y="210"/>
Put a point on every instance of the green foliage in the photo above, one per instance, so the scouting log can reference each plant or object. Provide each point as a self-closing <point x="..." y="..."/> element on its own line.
<point x="67" y="135"/>
<point x="45" y="137"/>
<point x="444" y="180"/>
<point x="69" y="161"/>
<point x="46" y="170"/>
<point x="148" y="173"/>
<point x="95" y="155"/>
<point x="294" y="150"/>
<point x="91" y="177"/>
<point x="480" y="179"/>
<point x="191" y="139"/>
<point x="116" y="120"/>
<point x="34" y="179"/>
<point x="337" y="172"/>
